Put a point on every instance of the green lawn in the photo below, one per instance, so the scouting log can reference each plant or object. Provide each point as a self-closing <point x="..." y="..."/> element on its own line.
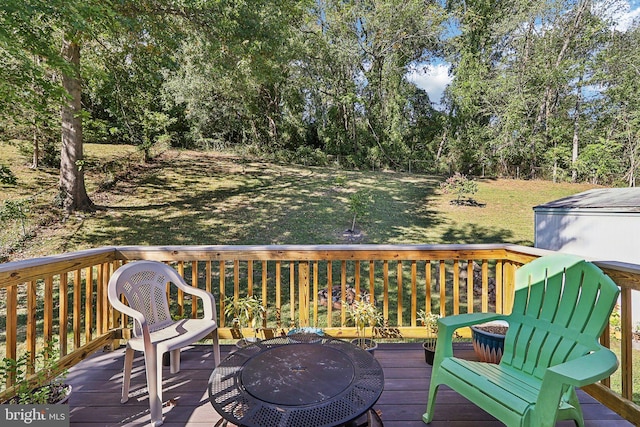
<point x="616" y="378"/>
<point x="188" y="197"/>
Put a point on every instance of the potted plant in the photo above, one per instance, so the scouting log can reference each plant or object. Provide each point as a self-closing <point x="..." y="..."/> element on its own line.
<point x="429" y="321"/>
<point x="245" y="312"/>
<point x="364" y="314"/>
<point x="488" y="340"/>
<point x="45" y="387"/>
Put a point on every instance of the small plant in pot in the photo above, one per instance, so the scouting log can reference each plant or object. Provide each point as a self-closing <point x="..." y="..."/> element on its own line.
<point x="364" y="314"/>
<point x="45" y="386"/>
<point x="488" y="340"/>
<point x="246" y="312"/>
<point x="429" y="321"/>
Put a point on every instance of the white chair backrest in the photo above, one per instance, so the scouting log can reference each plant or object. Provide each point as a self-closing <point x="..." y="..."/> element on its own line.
<point x="144" y="285"/>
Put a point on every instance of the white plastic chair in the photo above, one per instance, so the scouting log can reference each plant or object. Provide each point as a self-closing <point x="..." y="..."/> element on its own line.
<point x="143" y="284"/>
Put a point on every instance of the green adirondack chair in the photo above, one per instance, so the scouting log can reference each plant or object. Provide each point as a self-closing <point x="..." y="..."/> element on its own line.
<point x="561" y="307"/>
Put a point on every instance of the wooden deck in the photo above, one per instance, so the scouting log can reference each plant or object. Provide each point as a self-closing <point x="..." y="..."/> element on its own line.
<point x="95" y="400"/>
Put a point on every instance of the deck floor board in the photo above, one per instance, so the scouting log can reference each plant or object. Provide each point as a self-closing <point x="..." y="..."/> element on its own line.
<point x="95" y="400"/>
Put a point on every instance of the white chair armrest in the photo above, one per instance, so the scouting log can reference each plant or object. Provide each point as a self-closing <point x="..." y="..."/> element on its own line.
<point x="208" y="301"/>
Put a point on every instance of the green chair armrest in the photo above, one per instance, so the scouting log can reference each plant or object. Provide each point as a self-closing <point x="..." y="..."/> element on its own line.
<point x="585" y="370"/>
<point x="451" y="323"/>
<point x="578" y="372"/>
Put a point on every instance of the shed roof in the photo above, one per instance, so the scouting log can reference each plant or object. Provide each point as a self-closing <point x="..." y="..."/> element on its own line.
<point x="606" y="199"/>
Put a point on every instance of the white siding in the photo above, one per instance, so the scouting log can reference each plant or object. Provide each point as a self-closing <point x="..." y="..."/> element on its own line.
<point x="591" y="233"/>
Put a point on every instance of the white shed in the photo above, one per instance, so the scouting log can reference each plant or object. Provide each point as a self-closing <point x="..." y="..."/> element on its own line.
<point x="603" y="224"/>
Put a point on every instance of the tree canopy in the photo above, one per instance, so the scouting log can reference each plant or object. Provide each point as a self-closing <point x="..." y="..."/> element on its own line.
<point x="542" y="89"/>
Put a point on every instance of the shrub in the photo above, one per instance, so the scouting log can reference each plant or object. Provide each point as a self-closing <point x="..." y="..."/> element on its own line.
<point x="15" y="210"/>
<point x="42" y="388"/>
<point x="6" y="176"/>
<point x="459" y="185"/>
<point x="245" y="312"/>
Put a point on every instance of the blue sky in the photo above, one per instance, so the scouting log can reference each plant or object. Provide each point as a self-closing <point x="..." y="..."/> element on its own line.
<point x="434" y="78"/>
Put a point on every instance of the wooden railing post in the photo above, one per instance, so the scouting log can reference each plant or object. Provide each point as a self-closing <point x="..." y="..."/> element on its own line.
<point x="31" y="323"/>
<point x="223" y="295"/>
<point x="48" y="309"/>
<point x="470" y="286"/>
<point x="499" y="288"/>
<point x="303" y="293"/>
<point x="626" y="356"/>
<point x="11" y="323"/>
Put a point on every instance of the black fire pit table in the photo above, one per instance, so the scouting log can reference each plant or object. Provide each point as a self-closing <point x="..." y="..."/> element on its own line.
<point x="298" y="380"/>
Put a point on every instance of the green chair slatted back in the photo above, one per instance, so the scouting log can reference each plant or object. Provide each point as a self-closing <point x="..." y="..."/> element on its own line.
<point x="561" y="307"/>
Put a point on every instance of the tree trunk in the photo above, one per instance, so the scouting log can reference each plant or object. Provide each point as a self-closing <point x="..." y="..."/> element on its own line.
<point x="72" y="186"/>
<point x="576" y="134"/>
<point x="36" y="147"/>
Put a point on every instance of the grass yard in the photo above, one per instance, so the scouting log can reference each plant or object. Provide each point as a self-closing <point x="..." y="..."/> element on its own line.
<point x="195" y="198"/>
<point x="616" y="378"/>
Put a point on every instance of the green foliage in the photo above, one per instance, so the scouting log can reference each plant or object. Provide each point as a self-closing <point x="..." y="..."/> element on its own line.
<point x="359" y="204"/>
<point x="310" y="156"/>
<point x="430" y="322"/>
<point x="620" y="107"/>
<point x="340" y="180"/>
<point x="318" y="82"/>
<point x="42" y="388"/>
<point x="245" y="312"/>
<point x="459" y="185"/>
<point x="16" y="210"/>
<point x="363" y="314"/>
<point x="599" y="161"/>
<point x="615" y="320"/>
<point x="6" y="176"/>
<point x="520" y="73"/>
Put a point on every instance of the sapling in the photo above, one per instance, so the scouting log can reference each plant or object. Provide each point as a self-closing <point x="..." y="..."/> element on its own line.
<point x="359" y="204"/>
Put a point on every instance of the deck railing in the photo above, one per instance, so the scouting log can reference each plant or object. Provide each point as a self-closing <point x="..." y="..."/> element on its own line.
<point x="63" y="298"/>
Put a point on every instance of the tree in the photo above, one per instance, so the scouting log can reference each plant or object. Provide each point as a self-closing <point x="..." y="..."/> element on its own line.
<point x="234" y="76"/>
<point x="521" y="69"/>
<point x="40" y="25"/>
<point x="620" y="76"/>
<point x="460" y="185"/>
<point x="32" y="30"/>
<point x="359" y="203"/>
<point x="29" y="57"/>
<point x="74" y="193"/>
<point x="353" y="72"/>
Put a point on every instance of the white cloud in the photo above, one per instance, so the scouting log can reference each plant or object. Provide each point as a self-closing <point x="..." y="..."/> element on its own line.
<point x="625" y="20"/>
<point x="433" y="79"/>
<point x="621" y="12"/>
